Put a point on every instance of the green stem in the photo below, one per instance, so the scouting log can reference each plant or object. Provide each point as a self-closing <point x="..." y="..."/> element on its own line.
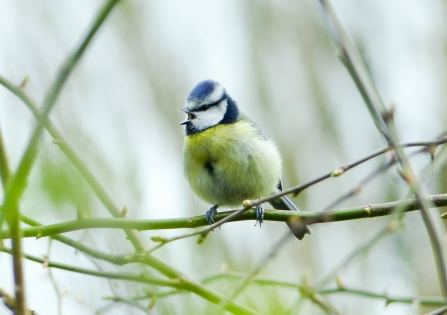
<point x="426" y="301"/>
<point x="245" y="281"/>
<point x="173" y="283"/>
<point x="13" y="222"/>
<point x="366" y="211"/>
<point x="389" y="298"/>
<point x="119" y="299"/>
<point x="351" y="58"/>
<point x="5" y="170"/>
<point x="75" y="160"/>
<point x="384" y="120"/>
<point x="18" y="182"/>
<point x="149" y="260"/>
<point x="132" y="235"/>
<point x="343" y="169"/>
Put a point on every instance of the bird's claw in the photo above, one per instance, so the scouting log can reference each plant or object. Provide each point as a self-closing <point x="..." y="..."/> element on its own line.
<point x="209" y="215"/>
<point x="259" y="215"/>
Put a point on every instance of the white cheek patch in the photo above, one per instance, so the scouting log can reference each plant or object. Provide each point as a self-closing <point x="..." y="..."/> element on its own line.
<point x="211" y="117"/>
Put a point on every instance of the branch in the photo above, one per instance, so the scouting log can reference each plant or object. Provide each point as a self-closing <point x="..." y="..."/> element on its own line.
<point x="74" y="159"/>
<point x="343" y="169"/>
<point x="18" y="182"/>
<point x="10" y="302"/>
<point x="153" y="262"/>
<point x="245" y="281"/>
<point x="391" y="228"/>
<point x="132" y="235"/>
<point x="119" y="299"/>
<point x="173" y="283"/>
<point x="366" y="211"/>
<point x="385" y="123"/>
<point x="427" y="301"/>
<point x="439" y="311"/>
<point x="12" y="216"/>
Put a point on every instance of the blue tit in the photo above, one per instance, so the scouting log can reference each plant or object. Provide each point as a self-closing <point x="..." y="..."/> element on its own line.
<point x="226" y="158"/>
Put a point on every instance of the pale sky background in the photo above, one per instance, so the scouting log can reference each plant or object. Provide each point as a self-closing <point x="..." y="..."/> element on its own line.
<point x="120" y="112"/>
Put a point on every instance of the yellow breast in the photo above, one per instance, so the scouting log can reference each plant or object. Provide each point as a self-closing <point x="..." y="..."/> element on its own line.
<point x="228" y="163"/>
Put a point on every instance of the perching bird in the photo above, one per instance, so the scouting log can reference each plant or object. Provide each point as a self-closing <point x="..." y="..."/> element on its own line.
<point x="226" y="158"/>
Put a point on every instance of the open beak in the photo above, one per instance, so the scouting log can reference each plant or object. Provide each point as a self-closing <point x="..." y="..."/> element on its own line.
<point x="190" y="116"/>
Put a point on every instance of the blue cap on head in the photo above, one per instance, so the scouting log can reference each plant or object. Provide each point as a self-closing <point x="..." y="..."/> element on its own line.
<point x="202" y="90"/>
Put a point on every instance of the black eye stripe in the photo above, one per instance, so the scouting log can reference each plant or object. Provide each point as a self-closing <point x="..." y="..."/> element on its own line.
<point x="203" y="108"/>
<point x="208" y="106"/>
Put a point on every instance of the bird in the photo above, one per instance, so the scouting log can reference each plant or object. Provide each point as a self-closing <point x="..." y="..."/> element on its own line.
<point x="226" y="157"/>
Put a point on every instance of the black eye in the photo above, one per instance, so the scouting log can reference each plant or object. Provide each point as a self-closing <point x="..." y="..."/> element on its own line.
<point x="205" y="107"/>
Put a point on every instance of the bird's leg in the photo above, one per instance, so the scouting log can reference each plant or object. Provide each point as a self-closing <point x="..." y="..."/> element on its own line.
<point x="209" y="215"/>
<point x="259" y="214"/>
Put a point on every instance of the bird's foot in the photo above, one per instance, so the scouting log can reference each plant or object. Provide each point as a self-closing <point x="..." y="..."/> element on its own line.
<point x="209" y="215"/>
<point x="259" y="215"/>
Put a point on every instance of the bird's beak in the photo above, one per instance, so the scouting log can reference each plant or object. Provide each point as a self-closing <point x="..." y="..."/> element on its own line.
<point x="190" y="116"/>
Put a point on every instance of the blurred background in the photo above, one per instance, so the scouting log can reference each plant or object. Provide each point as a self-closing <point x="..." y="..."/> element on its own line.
<point x="120" y="112"/>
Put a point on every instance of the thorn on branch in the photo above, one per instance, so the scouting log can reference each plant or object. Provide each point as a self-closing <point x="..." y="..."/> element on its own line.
<point x="203" y="237"/>
<point x="58" y="141"/>
<point x="407" y="176"/>
<point x="80" y="213"/>
<point x="152" y="302"/>
<point x="339" y="282"/>
<point x="431" y="149"/>
<point x="24" y="82"/>
<point x="383" y="132"/>
<point x="124" y="212"/>
<point x="158" y="239"/>
<point x="389" y="115"/>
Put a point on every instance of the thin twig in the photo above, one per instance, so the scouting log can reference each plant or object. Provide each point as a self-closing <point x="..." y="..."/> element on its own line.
<point x="413" y="183"/>
<point x="391" y="228"/>
<point x="12" y="216"/>
<point x="151" y="261"/>
<point x="75" y="159"/>
<point x="245" y="281"/>
<point x="389" y="298"/>
<point x="53" y="280"/>
<point x="173" y="283"/>
<point x="18" y="182"/>
<point x="132" y="235"/>
<point x="440" y="311"/>
<point x="384" y="121"/>
<point x="5" y="170"/>
<point x="10" y="302"/>
<point x="343" y="169"/>
<point x="131" y="302"/>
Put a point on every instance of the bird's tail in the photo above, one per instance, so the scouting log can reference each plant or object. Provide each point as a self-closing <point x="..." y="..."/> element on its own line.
<point x="297" y="228"/>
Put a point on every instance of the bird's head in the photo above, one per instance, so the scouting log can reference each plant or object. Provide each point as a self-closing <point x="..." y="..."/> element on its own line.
<point x="208" y="105"/>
